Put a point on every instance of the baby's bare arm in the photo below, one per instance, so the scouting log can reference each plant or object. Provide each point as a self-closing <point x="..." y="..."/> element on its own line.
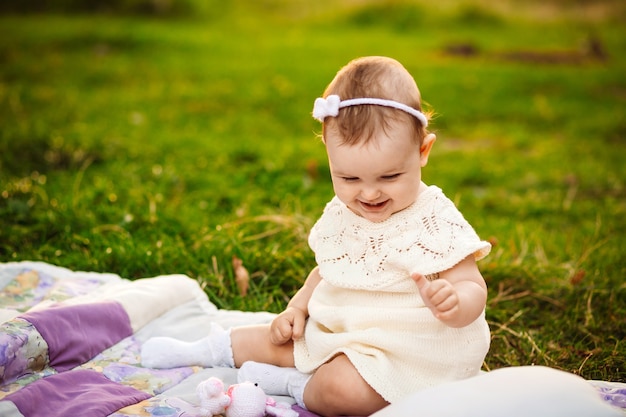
<point x="289" y="325"/>
<point x="458" y="297"/>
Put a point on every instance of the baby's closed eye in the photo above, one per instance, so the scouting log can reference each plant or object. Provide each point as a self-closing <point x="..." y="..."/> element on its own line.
<point x="391" y="177"/>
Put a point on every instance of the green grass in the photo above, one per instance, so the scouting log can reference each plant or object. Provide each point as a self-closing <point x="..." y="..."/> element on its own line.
<point x="145" y="146"/>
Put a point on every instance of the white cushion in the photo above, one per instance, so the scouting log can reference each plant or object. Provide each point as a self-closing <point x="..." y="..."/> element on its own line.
<point x="524" y="391"/>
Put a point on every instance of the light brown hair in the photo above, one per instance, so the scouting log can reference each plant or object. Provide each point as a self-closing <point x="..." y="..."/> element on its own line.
<point x="373" y="77"/>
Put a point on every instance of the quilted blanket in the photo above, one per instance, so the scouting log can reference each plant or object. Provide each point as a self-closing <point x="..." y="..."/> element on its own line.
<point x="70" y="343"/>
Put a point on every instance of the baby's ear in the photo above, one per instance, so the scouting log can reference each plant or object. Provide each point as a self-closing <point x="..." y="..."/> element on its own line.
<point x="426" y="147"/>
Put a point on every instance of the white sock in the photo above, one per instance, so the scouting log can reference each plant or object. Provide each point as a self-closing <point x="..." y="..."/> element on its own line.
<point x="275" y="380"/>
<point x="297" y="386"/>
<point x="213" y="350"/>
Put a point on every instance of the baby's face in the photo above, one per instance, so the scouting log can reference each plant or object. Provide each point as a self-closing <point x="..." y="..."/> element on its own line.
<point x="380" y="178"/>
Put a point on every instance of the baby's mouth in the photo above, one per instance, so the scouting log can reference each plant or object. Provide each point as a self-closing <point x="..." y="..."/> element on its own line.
<point x="374" y="206"/>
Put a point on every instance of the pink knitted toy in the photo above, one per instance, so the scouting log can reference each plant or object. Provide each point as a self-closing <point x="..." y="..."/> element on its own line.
<point x="240" y="400"/>
<point x="213" y="400"/>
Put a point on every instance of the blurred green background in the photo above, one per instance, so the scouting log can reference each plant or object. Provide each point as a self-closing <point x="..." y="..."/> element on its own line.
<point x="146" y="137"/>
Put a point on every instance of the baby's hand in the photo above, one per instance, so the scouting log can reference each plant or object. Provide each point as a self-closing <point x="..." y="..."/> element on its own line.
<point x="439" y="295"/>
<point x="287" y="325"/>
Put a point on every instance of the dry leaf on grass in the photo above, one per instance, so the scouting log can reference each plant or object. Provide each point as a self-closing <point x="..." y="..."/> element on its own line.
<point x="242" y="277"/>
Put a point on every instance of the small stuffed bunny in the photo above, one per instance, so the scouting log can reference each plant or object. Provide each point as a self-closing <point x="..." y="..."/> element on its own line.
<point x="213" y="400"/>
<point x="240" y="400"/>
<point x="246" y="400"/>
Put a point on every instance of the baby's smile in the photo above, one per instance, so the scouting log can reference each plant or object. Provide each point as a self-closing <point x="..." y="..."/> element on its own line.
<point x="374" y="205"/>
<point x="375" y="212"/>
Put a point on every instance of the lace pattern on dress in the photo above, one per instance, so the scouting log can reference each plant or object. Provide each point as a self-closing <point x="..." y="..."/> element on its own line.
<point x="428" y="237"/>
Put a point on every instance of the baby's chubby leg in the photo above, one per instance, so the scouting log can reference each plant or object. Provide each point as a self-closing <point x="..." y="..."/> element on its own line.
<point x="252" y="343"/>
<point x="337" y="388"/>
<point x="221" y="348"/>
<point x="213" y="350"/>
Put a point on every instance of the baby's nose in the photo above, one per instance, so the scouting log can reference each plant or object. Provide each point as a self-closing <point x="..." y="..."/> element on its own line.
<point x="370" y="193"/>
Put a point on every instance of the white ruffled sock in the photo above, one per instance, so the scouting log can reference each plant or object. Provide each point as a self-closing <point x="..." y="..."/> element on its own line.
<point x="275" y="380"/>
<point x="211" y="351"/>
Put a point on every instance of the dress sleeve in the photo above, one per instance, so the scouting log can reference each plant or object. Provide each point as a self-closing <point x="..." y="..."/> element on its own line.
<point x="445" y="238"/>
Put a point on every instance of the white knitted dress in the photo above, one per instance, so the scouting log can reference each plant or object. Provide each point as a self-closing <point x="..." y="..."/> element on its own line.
<point x="369" y="308"/>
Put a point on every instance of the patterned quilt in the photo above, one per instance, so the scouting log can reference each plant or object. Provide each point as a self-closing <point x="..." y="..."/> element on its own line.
<point x="70" y="343"/>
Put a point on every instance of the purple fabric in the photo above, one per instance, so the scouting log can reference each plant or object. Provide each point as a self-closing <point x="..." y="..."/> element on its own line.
<point x="77" y="333"/>
<point x="614" y="396"/>
<point x="304" y="412"/>
<point x="81" y="392"/>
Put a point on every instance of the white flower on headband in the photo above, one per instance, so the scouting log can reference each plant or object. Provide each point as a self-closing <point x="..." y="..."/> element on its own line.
<point x="325" y="107"/>
<point x="329" y="106"/>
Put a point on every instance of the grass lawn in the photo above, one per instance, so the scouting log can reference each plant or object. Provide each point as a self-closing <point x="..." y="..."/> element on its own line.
<point x="152" y="145"/>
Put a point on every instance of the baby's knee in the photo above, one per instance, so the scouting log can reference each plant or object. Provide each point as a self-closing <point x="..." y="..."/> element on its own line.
<point x="333" y="396"/>
<point x="326" y="396"/>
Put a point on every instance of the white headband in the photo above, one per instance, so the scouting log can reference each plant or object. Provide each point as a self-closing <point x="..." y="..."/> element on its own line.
<point x="330" y="106"/>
